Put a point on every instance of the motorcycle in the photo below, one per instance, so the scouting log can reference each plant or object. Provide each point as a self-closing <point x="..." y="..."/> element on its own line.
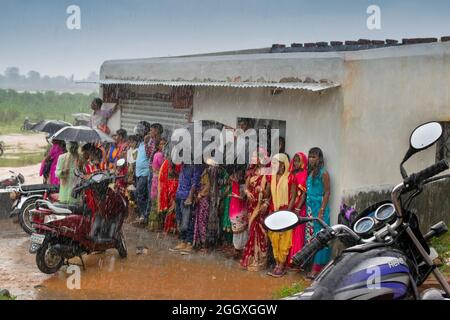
<point x="63" y="232"/>
<point x="13" y="181"/>
<point x="386" y="255"/>
<point x="24" y="198"/>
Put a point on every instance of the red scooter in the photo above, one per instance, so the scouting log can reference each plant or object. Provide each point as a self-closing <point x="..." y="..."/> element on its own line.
<point x="67" y="231"/>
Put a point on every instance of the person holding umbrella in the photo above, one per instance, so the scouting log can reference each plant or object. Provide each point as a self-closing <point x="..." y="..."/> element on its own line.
<point x="65" y="171"/>
<point x="48" y="165"/>
<point x="69" y="162"/>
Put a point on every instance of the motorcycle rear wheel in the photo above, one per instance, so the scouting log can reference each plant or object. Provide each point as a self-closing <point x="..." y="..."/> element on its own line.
<point x="24" y="216"/>
<point x="48" y="262"/>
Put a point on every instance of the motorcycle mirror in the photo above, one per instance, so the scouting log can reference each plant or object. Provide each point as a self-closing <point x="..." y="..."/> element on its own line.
<point x="120" y="162"/>
<point x="282" y="220"/>
<point x="423" y="137"/>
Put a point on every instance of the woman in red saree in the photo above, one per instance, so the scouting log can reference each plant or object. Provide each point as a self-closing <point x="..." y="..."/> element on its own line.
<point x="167" y="189"/>
<point x="299" y="169"/>
<point x="256" y="250"/>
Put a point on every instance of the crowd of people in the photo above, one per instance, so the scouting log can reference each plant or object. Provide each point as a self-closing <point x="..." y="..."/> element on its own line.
<point x="207" y="206"/>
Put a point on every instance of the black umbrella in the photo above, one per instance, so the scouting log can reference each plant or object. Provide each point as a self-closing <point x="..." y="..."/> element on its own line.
<point x="50" y="126"/>
<point x="81" y="134"/>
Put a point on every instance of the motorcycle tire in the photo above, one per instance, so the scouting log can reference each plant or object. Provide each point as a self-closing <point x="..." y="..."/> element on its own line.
<point x="1" y="152"/>
<point x="24" y="216"/>
<point x="122" y="246"/>
<point x="41" y="258"/>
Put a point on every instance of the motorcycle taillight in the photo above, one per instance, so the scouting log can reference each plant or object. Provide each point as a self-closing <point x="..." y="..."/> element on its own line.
<point x="37" y="216"/>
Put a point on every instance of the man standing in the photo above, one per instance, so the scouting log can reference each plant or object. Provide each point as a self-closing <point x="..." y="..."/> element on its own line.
<point x="99" y="118"/>
<point x="188" y="184"/>
<point x="142" y="171"/>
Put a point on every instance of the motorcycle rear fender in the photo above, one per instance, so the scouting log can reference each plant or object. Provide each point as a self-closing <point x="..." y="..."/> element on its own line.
<point x="40" y="228"/>
<point x="23" y="199"/>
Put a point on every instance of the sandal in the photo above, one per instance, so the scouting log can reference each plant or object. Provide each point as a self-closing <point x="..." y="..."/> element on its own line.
<point x="311" y="276"/>
<point x="274" y="272"/>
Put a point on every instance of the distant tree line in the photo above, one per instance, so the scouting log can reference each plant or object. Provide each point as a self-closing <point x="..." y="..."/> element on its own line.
<point x="49" y="105"/>
<point x="34" y="81"/>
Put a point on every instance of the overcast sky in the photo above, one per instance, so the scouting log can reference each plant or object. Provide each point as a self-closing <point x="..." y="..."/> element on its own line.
<point x="34" y="36"/>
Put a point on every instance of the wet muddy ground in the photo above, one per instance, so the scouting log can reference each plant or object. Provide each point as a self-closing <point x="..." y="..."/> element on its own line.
<point x="155" y="274"/>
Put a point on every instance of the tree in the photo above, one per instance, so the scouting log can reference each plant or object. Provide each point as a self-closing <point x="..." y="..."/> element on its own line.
<point x="12" y="74"/>
<point x="34" y="76"/>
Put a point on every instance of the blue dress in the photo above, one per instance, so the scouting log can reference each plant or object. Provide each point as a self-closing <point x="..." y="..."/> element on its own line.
<point x="314" y="197"/>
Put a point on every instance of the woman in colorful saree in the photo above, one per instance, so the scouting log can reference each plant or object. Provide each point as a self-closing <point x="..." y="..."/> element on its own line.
<point x="49" y="163"/>
<point x="255" y="252"/>
<point x="167" y="189"/>
<point x="318" y="195"/>
<point x="202" y="211"/>
<point x="283" y="190"/>
<point x="299" y="169"/>
<point x="238" y="214"/>
<point x="156" y="218"/>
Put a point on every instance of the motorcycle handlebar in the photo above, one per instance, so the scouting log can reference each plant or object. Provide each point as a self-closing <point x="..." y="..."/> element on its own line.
<point x="417" y="178"/>
<point x="316" y="244"/>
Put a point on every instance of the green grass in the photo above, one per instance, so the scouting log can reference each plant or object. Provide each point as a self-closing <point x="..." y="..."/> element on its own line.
<point x="15" y="106"/>
<point x="24" y="159"/>
<point x="442" y="246"/>
<point x="4" y="298"/>
<point x="288" y="291"/>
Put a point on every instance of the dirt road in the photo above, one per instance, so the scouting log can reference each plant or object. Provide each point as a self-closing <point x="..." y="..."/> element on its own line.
<point x="158" y="274"/>
<point x="17" y="144"/>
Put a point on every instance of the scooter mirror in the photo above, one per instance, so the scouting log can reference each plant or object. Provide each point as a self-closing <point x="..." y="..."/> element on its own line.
<point x="120" y="162"/>
<point x="281" y="221"/>
<point x="425" y="135"/>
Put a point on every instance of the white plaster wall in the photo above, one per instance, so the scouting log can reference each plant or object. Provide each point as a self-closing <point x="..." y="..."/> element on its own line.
<point x="385" y="98"/>
<point x="312" y="120"/>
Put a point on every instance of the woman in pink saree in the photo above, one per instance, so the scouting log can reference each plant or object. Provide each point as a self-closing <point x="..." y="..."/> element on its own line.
<point x="48" y="166"/>
<point x="299" y="169"/>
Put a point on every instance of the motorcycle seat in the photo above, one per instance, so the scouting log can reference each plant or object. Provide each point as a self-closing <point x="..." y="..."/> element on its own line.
<point x="63" y="208"/>
<point x="39" y="187"/>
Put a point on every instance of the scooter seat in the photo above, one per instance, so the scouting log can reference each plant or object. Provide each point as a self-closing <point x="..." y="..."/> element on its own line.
<point x="63" y="208"/>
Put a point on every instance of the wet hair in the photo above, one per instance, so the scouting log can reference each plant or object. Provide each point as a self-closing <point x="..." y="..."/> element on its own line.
<point x="133" y="138"/>
<point x="318" y="152"/>
<point x="142" y="128"/>
<point x="282" y="141"/>
<point x="61" y="143"/>
<point x="122" y="133"/>
<point x="73" y="147"/>
<point x="97" y="154"/>
<point x="158" y="127"/>
<point x="98" y="102"/>
<point x="247" y="121"/>
<point x="88" y="147"/>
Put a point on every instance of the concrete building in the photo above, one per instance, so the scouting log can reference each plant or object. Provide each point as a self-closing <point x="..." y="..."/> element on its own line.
<point x="358" y="102"/>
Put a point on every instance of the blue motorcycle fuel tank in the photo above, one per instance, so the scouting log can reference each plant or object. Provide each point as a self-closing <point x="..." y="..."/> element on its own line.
<point x="376" y="274"/>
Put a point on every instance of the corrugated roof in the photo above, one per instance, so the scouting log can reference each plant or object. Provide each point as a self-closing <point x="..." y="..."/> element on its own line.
<point x="309" y="86"/>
